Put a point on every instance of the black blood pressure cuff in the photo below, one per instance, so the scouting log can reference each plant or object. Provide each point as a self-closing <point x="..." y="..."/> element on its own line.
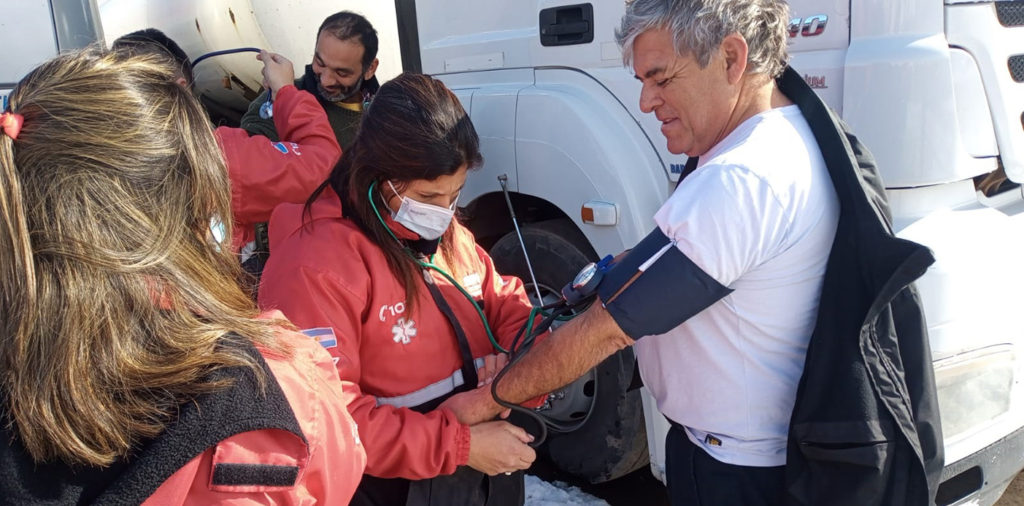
<point x="655" y="287"/>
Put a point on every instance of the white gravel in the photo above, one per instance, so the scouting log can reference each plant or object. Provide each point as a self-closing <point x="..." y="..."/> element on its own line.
<point x="542" y="493"/>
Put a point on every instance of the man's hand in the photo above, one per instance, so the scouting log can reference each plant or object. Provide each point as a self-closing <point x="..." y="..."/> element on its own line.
<point x="277" y="71"/>
<point x="474" y="406"/>
<point x="499" y="447"/>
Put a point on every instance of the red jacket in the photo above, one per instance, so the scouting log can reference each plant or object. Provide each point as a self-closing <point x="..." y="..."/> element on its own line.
<point x="330" y="461"/>
<point x="331" y="275"/>
<point x="289" y="441"/>
<point x="264" y="173"/>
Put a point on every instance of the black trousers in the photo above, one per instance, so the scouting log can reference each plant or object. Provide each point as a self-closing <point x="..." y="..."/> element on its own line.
<point x="696" y="478"/>
<point x="467" y="487"/>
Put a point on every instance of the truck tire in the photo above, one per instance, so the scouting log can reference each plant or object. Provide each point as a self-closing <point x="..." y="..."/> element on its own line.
<point x="612" y="441"/>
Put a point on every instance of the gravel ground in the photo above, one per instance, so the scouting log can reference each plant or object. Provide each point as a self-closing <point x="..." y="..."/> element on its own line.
<point x="1014" y="495"/>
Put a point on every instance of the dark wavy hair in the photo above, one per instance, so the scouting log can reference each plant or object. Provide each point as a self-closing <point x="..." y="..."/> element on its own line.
<point x="415" y="128"/>
<point x="157" y="43"/>
<point x="347" y="25"/>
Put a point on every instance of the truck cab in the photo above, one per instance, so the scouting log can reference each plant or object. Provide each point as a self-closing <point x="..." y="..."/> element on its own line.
<point x="934" y="88"/>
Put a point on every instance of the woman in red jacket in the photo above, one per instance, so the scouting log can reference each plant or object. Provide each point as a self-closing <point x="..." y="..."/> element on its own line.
<point x="263" y="173"/>
<point x="405" y="301"/>
<point x="133" y="368"/>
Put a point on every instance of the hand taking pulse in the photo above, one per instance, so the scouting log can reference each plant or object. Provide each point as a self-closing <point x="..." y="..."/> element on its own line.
<point x="277" y="71"/>
<point x="499" y="447"/>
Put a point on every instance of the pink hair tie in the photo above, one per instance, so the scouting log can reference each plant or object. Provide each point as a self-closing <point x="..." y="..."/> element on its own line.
<point x="11" y="123"/>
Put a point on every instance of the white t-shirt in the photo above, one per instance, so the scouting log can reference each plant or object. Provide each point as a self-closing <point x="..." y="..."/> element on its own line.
<point x="759" y="216"/>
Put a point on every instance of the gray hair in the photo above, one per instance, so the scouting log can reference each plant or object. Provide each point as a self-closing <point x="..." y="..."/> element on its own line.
<point x="698" y="27"/>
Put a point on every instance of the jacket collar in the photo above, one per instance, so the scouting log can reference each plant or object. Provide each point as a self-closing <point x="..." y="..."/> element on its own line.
<point x="309" y="80"/>
<point x="200" y="424"/>
<point x="888" y="263"/>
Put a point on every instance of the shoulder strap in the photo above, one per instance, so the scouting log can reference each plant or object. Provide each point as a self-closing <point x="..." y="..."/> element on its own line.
<point x="468" y="370"/>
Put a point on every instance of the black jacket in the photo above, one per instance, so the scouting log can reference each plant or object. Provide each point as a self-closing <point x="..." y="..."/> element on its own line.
<point x="865" y="428"/>
<point x="200" y="424"/>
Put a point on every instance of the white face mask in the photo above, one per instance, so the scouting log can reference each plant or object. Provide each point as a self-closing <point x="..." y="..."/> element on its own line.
<point x="427" y="220"/>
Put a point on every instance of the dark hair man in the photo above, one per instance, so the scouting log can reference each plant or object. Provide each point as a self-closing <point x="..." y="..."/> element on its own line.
<point x="151" y="40"/>
<point x="341" y="77"/>
<point x="792" y="371"/>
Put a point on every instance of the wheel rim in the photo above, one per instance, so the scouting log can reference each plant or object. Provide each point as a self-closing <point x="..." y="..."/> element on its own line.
<point x="572" y="404"/>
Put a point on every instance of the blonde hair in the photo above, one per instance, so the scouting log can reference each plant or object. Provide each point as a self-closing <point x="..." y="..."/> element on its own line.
<point x="116" y="305"/>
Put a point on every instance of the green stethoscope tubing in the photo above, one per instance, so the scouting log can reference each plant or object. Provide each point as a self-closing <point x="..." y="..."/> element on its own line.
<point x="430" y="265"/>
<point x="518" y="349"/>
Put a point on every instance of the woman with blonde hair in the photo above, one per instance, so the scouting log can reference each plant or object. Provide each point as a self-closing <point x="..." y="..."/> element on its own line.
<point x="134" y="367"/>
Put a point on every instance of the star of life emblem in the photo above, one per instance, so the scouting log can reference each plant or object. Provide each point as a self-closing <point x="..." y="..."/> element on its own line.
<point x="404" y="330"/>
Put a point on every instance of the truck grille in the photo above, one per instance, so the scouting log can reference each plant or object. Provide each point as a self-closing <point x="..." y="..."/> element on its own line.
<point x="1010" y="13"/>
<point x="1016" y="64"/>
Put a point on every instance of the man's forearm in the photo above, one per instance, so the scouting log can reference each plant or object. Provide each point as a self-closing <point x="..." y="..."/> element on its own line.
<point x="568" y="353"/>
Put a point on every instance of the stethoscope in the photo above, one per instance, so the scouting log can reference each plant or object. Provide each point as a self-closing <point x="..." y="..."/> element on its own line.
<point x="266" y="108"/>
<point x="577" y="295"/>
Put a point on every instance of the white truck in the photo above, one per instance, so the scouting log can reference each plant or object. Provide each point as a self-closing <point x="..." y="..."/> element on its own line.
<point x="935" y="88"/>
<point x="34" y="31"/>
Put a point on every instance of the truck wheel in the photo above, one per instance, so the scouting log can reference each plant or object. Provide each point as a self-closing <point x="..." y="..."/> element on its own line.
<point x="609" y="439"/>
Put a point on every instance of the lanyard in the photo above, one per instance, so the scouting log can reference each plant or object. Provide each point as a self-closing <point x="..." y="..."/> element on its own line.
<point x="468" y="370"/>
<point x="426" y="266"/>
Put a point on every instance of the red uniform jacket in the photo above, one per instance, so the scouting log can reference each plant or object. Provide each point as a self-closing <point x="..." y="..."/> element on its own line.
<point x="287" y="441"/>
<point x="329" y="461"/>
<point x="265" y="173"/>
<point x="330" y="275"/>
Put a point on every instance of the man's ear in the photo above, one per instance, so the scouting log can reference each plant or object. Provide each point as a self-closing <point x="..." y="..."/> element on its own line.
<point x="371" y="70"/>
<point x="734" y="49"/>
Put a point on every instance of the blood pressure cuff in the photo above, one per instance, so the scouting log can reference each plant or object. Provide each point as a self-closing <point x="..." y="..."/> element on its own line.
<point x="655" y="288"/>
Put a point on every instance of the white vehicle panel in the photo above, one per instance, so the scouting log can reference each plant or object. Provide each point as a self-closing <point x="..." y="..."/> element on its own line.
<point x="973" y="113"/>
<point x="823" y="72"/>
<point x="975" y="28"/>
<point x="490" y="99"/>
<point x="26" y="34"/>
<point x="971" y="301"/>
<point x="576" y="143"/>
<point x="457" y="29"/>
<point x="898" y="99"/>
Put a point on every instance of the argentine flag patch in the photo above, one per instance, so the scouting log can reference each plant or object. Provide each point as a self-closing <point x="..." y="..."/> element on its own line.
<point x="325" y="336"/>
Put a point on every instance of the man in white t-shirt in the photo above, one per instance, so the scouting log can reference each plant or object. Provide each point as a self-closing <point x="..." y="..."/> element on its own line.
<point x="722" y="297"/>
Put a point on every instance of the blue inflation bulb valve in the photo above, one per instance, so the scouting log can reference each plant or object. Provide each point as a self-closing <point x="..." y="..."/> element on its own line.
<point x="267" y="109"/>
